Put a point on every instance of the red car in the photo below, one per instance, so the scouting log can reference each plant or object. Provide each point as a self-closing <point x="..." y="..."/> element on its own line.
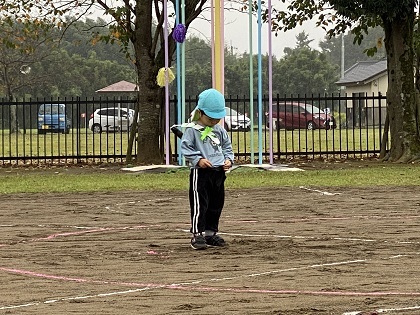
<point x="300" y="116"/>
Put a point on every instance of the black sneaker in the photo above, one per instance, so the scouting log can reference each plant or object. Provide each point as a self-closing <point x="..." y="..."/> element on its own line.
<point x="198" y="242"/>
<point x="215" y="240"/>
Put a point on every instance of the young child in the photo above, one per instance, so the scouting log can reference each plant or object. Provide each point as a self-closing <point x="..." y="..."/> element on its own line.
<point x="207" y="148"/>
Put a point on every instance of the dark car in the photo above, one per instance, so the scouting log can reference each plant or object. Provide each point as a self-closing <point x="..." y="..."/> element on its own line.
<point x="300" y="116"/>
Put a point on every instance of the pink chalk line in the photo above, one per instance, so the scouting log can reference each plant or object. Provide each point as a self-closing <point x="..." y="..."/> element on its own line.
<point x="186" y="285"/>
<point x="110" y="229"/>
<point x="70" y="279"/>
<point x="96" y="230"/>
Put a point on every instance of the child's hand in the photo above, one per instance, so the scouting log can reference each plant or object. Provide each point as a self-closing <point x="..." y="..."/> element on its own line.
<point x="228" y="165"/>
<point x="204" y="163"/>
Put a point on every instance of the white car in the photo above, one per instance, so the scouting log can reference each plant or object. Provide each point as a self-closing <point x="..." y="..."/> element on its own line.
<point x="236" y="121"/>
<point x="111" y="119"/>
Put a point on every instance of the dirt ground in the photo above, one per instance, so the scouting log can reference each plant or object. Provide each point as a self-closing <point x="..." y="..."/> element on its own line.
<point x="307" y="250"/>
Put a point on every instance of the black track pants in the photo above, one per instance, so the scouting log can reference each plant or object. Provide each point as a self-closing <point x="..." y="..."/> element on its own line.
<point x="207" y="197"/>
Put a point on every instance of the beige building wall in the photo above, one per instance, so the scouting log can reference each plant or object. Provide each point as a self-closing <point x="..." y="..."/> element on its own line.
<point x="375" y="87"/>
<point x="367" y="112"/>
<point x="380" y="85"/>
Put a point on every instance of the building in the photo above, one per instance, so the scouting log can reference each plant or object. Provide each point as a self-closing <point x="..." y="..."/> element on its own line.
<point x="365" y="79"/>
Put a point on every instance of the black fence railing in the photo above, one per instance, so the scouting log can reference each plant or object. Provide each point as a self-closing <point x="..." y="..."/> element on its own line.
<point x="73" y="131"/>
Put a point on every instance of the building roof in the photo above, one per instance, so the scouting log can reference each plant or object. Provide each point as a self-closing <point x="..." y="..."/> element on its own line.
<point x="363" y="72"/>
<point x="119" y="87"/>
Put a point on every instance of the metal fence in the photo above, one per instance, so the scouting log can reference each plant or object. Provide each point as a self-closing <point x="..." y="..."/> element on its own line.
<point x="97" y="130"/>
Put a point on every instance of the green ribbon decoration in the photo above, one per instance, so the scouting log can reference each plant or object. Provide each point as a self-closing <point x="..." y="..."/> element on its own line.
<point x="207" y="132"/>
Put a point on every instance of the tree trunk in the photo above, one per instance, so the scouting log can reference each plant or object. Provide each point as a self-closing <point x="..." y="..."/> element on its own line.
<point x="149" y="59"/>
<point x="401" y="96"/>
<point x="14" y="126"/>
<point x="133" y="135"/>
<point x="384" y="143"/>
<point x="148" y="142"/>
<point x="149" y="102"/>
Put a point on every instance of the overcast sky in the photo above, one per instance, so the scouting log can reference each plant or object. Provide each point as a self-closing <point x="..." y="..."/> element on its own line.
<point x="237" y="33"/>
<point x="237" y="30"/>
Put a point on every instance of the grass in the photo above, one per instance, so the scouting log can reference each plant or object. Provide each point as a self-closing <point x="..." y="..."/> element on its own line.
<point x="85" y="143"/>
<point x="35" y="181"/>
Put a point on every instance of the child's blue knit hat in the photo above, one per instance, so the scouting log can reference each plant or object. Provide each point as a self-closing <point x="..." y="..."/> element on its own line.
<point x="212" y="103"/>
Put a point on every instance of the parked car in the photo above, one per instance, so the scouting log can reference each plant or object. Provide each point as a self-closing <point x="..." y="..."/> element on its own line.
<point x="111" y="119"/>
<point x="53" y="118"/>
<point x="236" y="121"/>
<point x="300" y="116"/>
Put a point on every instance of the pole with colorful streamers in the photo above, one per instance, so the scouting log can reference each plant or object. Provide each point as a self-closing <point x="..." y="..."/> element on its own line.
<point x="259" y="85"/>
<point x="270" y="82"/>
<point x="218" y="45"/>
<point x="167" y="133"/>
<point x="251" y="78"/>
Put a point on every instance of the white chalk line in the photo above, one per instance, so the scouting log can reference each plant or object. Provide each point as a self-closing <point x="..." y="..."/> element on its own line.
<point x="352" y="239"/>
<point x="51" y="226"/>
<point x="122" y="204"/>
<point x="175" y="285"/>
<point x="182" y="285"/>
<point x="195" y="282"/>
<point x="90" y="230"/>
<point x="242" y="221"/>
<point x="229" y="278"/>
<point x="386" y="310"/>
<point x="73" y="298"/>
<point x="319" y="191"/>
<point x="318" y="218"/>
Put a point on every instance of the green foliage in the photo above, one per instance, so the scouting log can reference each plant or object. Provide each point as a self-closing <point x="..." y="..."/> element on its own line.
<point x="76" y="68"/>
<point x="83" y="65"/>
<point x="397" y="19"/>
<point x="80" y="66"/>
<point x="337" y="16"/>
<point x="305" y="71"/>
<point x="77" y="40"/>
<point x="353" y="52"/>
<point x="21" y="45"/>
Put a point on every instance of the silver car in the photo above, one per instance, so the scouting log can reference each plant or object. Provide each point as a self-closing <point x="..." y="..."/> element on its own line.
<point x="111" y="119"/>
<point x="236" y="121"/>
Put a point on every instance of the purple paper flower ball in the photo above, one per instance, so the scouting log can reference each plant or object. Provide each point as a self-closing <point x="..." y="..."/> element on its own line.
<point x="179" y="33"/>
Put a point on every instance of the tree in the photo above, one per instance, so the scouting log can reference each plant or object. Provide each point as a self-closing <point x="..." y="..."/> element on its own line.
<point x="61" y="66"/>
<point x="197" y="66"/>
<point x="355" y="52"/>
<point x="21" y="46"/>
<point x="131" y="25"/>
<point x="77" y="40"/>
<point x="302" y="40"/>
<point x="304" y="70"/>
<point x="397" y="18"/>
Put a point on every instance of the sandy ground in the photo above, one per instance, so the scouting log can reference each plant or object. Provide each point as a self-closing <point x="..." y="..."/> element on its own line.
<point x="308" y="250"/>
